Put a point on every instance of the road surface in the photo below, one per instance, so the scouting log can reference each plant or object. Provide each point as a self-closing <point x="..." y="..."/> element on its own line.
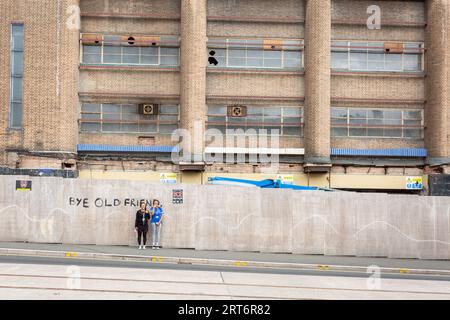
<point x="54" y="278"/>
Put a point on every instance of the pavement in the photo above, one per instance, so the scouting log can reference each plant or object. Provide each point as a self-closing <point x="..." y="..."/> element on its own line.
<point x="227" y="259"/>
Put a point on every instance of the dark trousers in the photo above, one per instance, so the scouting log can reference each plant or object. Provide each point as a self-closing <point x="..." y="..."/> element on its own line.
<point x="142" y="233"/>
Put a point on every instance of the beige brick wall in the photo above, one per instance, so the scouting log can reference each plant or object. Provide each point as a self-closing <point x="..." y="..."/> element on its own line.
<point x="367" y="143"/>
<point x="381" y="87"/>
<point x="131" y="82"/>
<point x="262" y="84"/>
<point x="257" y="8"/>
<point x="52" y="80"/>
<point x="50" y="75"/>
<point x="130" y="26"/>
<point x="156" y="7"/>
<point x="356" y="10"/>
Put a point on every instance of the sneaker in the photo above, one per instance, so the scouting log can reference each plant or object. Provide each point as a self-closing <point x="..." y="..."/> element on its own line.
<point x="153" y="247"/>
<point x="157" y="248"/>
<point x="143" y="248"/>
<point x="140" y="247"/>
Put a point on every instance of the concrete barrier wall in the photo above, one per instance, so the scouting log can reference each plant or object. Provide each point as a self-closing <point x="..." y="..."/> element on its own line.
<point x="73" y="211"/>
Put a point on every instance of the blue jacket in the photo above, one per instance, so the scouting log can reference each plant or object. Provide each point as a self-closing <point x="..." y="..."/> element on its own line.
<point x="156" y="215"/>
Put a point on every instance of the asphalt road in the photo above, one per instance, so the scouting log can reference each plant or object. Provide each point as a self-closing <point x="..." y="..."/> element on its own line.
<point x="171" y="266"/>
<point x="52" y="278"/>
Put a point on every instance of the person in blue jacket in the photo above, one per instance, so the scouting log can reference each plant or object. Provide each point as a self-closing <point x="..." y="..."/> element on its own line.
<point x="156" y="212"/>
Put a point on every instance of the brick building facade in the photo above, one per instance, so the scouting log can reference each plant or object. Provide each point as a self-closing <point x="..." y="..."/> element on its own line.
<point x="357" y="106"/>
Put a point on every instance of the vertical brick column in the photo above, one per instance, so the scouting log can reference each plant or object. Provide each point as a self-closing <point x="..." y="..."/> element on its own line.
<point x="317" y="76"/>
<point x="193" y="73"/>
<point x="437" y="114"/>
<point x="68" y="74"/>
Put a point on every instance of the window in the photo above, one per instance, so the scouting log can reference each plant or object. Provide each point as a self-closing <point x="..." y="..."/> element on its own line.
<point x="114" y="51"/>
<point x="372" y="57"/>
<point x="16" y="84"/>
<point x="125" y="118"/>
<point x="287" y="120"/>
<point x="376" y="123"/>
<point x="255" y="53"/>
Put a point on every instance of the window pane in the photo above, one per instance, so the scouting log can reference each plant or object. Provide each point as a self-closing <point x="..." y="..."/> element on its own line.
<point x="357" y="113"/>
<point x="272" y="111"/>
<point x="236" y="62"/>
<point x="255" y="53"/>
<point x="17" y="66"/>
<point x="272" y="54"/>
<point x="92" y="49"/>
<point x="92" y="58"/>
<point x="90" y="127"/>
<point x="111" y="50"/>
<point x="17" y="89"/>
<point x="292" y="112"/>
<point x="111" y="127"/>
<point x="291" y="131"/>
<point x="272" y="63"/>
<point x="358" y="61"/>
<point x="216" y="119"/>
<point x="169" y="51"/>
<point x="91" y="116"/>
<point x="372" y="132"/>
<point x="148" y="128"/>
<point x="236" y="53"/>
<point x="376" y="62"/>
<point x="412" y="62"/>
<point x="393" y="114"/>
<point x="292" y="120"/>
<point x="167" y="129"/>
<point x="131" y="50"/>
<point x="257" y="63"/>
<point x="339" y="60"/>
<point x="112" y="108"/>
<point x="131" y="59"/>
<point x="393" y="62"/>
<point x="112" y="116"/>
<point x="412" y="133"/>
<point x="149" y="51"/>
<point x="339" y="121"/>
<point x="16" y="115"/>
<point x="339" y="132"/>
<point x="130" y="127"/>
<point x="358" y="132"/>
<point x="90" y="107"/>
<point x="169" y="60"/>
<point x="412" y="114"/>
<point x="169" y="109"/>
<point x="338" y="112"/>
<point x="393" y="133"/>
<point x="17" y="36"/>
<point x="149" y="59"/>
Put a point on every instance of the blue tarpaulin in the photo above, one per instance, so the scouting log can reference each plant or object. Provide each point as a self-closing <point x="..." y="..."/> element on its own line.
<point x="266" y="184"/>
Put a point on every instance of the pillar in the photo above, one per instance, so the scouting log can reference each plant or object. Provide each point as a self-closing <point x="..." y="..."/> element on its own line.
<point x="193" y="74"/>
<point x="317" y="84"/>
<point x="437" y="115"/>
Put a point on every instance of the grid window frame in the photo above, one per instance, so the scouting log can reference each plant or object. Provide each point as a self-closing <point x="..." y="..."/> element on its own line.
<point x="101" y="54"/>
<point x="373" y="48"/>
<point x="16" y="109"/>
<point x="367" y="126"/>
<point x="286" y="121"/>
<point x="124" y="117"/>
<point x="249" y="47"/>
